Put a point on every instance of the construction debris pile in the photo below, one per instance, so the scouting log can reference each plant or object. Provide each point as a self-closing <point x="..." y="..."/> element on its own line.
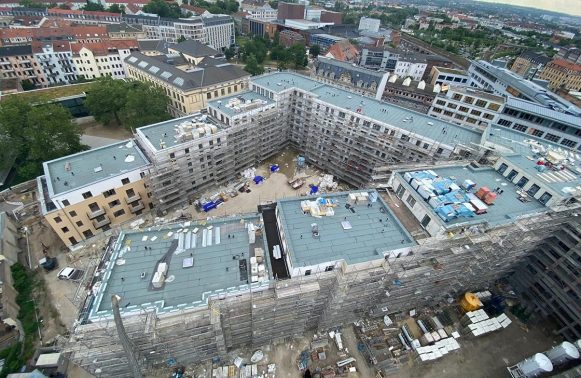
<point x="326" y="356"/>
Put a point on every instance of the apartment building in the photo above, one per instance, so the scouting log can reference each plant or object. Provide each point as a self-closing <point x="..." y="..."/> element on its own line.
<point x="467" y="106"/>
<point x="56" y="61"/>
<point x="188" y="86"/>
<point x="125" y="31"/>
<point x="392" y="60"/>
<point x="260" y="11"/>
<point x="218" y="31"/>
<point x="20" y="62"/>
<point x="94" y="60"/>
<point x="529" y="64"/>
<point x="87" y="193"/>
<point x="448" y="76"/>
<point x="410" y="94"/>
<point x="571" y="54"/>
<point x="562" y="74"/>
<point x="411" y="65"/>
<point x="84" y="17"/>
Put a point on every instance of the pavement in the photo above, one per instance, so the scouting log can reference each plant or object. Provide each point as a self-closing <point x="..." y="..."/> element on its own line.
<point x="96" y="141"/>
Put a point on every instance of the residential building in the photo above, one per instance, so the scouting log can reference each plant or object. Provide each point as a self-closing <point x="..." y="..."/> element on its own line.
<point x="368" y="23"/>
<point x="448" y="76"/>
<point x="411" y="65"/>
<point x="84" y="194"/>
<point x="259" y="27"/>
<point x="324" y="40"/>
<point x="529" y="64"/>
<point x="85" y="17"/>
<point x="56" y="61"/>
<point x="153" y="46"/>
<point x="188" y="86"/>
<point x="20" y="62"/>
<point x="562" y="74"/>
<point x="125" y="31"/>
<point x="290" y="11"/>
<point x="571" y="54"/>
<point x="263" y="11"/>
<point x="288" y="38"/>
<point x="352" y="77"/>
<point x="467" y="107"/>
<point x="80" y="34"/>
<point x="94" y="60"/>
<point x="410" y="94"/>
<point x="343" y="51"/>
<point x="124" y="3"/>
<point x="218" y="31"/>
<point x="331" y="17"/>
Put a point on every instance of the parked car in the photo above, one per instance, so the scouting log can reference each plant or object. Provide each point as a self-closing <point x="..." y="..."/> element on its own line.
<point x="70" y="274"/>
<point x="48" y="263"/>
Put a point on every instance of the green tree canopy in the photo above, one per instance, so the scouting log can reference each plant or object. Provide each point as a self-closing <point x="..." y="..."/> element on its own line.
<point x="37" y="132"/>
<point x="91" y="6"/>
<point x="163" y="9"/>
<point x="315" y="50"/>
<point x="127" y="103"/>
<point x="252" y="65"/>
<point x="116" y="8"/>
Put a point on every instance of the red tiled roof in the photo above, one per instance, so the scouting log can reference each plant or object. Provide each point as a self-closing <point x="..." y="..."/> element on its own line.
<point x="191" y="8"/>
<point x="78" y="32"/>
<point x="57" y="46"/>
<point x="566" y="65"/>
<point x="103" y="48"/>
<point x="344" y="51"/>
<point x="133" y="8"/>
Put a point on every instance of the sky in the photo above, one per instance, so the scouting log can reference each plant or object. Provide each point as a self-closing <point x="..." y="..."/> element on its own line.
<point x="570" y="7"/>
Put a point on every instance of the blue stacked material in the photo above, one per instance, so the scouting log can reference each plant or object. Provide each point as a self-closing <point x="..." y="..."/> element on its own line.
<point x="304" y="359"/>
<point x="314" y="189"/>
<point x="463" y="212"/>
<point x="455" y="197"/>
<point x="274" y="168"/>
<point x="446" y="212"/>
<point x="209" y="206"/>
<point x="258" y="179"/>
<point x="444" y="186"/>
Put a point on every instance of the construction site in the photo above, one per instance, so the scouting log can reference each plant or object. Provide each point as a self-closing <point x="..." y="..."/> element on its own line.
<point x="295" y="228"/>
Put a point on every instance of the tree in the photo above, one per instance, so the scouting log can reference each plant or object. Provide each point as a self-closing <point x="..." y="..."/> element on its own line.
<point x="105" y="99"/>
<point x="299" y="58"/>
<point x="145" y="104"/>
<point x="315" y="50"/>
<point x="37" y="132"/>
<point x="91" y="6"/>
<point x="129" y="103"/>
<point x="252" y="65"/>
<point x="229" y="53"/>
<point x="163" y="9"/>
<point x="116" y="8"/>
<point x="27" y="85"/>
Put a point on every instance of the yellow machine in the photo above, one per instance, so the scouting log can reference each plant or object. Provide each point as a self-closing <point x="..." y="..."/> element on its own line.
<point x="470" y="302"/>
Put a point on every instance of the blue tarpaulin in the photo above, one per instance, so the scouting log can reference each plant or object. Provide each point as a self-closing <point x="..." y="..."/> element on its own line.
<point x="209" y="206"/>
<point x="314" y="189"/>
<point x="274" y="168"/>
<point x="258" y="179"/>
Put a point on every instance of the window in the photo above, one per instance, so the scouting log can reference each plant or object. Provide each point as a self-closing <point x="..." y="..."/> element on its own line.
<point x="441" y="102"/>
<point x="66" y="203"/>
<point x="88" y="234"/>
<point x="58" y="219"/>
<point x="114" y="203"/>
<point x="94" y="207"/>
<point x="513" y="173"/>
<point x="538" y="133"/>
<point x="79" y="223"/>
<point x="125" y="181"/>
<point x="494" y="107"/>
<point x="329" y="268"/>
<point x="475" y="112"/>
<point x="480" y="103"/>
<point x="546" y="197"/>
<point x="502" y="168"/>
<point x="118" y="213"/>
<point x="73" y="213"/>
<point x="400" y="191"/>
<point x="425" y="221"/>
<point x="130" y="193"/>
<point x="73" y="240"/>
<point x="87" y="195"/>
<point x="439" y="151"/>
<point x="307" y="272"/>
<point x="463" y="109"/>
<point x="65" y="229"/>
<point x="552" y="137"/>
<point x="411" y="200"/>
<point x="533" y="190"/>
<point x="522" y="182"/>
<point x="109" y="193"/>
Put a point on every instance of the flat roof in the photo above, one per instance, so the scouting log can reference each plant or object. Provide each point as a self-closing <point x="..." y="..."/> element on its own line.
<point x="476" y="92"/>
<point x="328" y="36"/>
<point x="556" y="180"/>
<point x="405" y="119"/>
<point x="246" y="101"/>
<point x="215" y="270"/>
<point x="506" y="207"/>
<point x="374" y="230"/>
<point x="165" y="132"/>
<point x="87" y="167"/>
<point x="451" y="71"/>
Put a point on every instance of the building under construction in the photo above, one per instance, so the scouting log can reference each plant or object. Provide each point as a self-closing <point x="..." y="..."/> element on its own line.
<point x="193" y="291"/>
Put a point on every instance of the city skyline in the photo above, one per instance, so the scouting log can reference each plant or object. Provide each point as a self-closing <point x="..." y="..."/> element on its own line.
<point x="562" y="6"/>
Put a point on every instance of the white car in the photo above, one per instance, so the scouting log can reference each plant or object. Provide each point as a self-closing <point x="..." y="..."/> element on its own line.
<point x="71" y="274"/>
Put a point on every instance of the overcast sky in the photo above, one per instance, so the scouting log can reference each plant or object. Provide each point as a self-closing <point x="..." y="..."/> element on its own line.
<point x="571" y="7"/>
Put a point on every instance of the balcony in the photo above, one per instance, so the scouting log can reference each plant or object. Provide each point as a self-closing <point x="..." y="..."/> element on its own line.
<point x="133" y="198"/>
<point x="96" y="213"/>
<point x="105" y="221"/>
<point x="136" y="207"/>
